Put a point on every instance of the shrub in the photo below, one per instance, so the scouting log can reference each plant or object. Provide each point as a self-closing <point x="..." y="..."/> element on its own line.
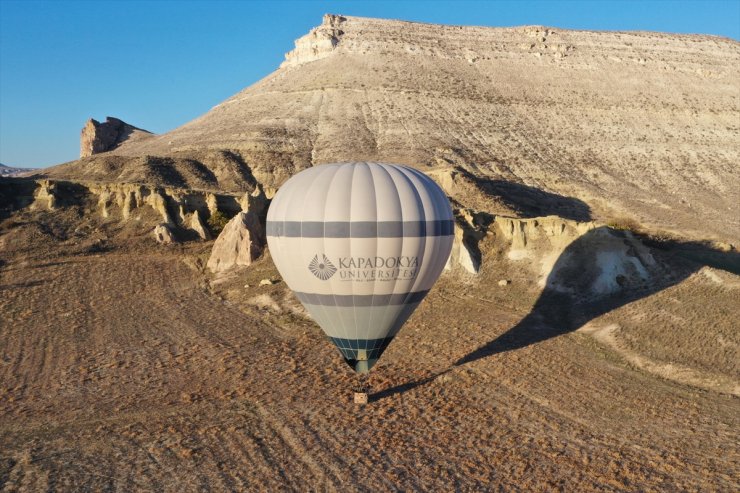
<point x="624" y="224"/>
<point x="217" y="222"/>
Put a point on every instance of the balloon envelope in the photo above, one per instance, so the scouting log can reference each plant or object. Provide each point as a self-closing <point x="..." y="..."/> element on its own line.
<point x="360" y="244"/>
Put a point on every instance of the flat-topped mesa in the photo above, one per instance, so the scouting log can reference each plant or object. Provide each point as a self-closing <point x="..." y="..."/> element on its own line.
<point x="499" y="115"/>
<point x="319" y="43"/>
<point x="96" y="137"/>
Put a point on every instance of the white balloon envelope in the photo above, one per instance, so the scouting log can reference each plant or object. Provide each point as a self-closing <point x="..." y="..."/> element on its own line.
<point x="360" y="245"/>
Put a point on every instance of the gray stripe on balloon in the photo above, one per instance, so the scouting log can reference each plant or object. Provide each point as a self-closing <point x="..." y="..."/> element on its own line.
<point x="356" y="300"/>
<point x="360" y="229"/>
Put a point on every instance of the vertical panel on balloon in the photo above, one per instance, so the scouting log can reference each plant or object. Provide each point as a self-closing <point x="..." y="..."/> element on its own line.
<point x="312" y="190"/>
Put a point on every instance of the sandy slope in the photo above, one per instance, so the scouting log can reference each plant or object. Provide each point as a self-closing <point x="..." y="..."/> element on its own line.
<point x="129" y="370"/>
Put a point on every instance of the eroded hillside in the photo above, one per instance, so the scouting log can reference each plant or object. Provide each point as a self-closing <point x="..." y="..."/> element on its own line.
<point x="636" y="124"/>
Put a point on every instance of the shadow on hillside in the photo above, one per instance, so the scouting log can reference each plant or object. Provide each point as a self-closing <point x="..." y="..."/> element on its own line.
<point x="125" y="133"/>
<point x="533" y="202"/>
<point x="163" y="171"/>
<point x="15" y="194"/>
<point x="697" y="252"/>
<point x="556" y="312"/>
<point x="530" y="201"/>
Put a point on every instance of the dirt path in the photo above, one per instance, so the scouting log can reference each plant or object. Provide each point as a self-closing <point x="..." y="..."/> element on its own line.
<point x="671" y="371"/>
<point x="123" y="372"/>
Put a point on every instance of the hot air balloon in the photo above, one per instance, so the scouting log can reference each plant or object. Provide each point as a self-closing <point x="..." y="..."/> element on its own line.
<point x="360" y="244"/>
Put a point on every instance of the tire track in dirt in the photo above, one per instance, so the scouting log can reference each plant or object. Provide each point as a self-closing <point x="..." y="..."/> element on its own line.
<point x="186" y="392"/>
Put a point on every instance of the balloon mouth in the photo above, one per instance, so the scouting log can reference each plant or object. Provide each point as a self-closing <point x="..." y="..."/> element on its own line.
<point x="361" y="366"/>
<point x="361" y="354"/>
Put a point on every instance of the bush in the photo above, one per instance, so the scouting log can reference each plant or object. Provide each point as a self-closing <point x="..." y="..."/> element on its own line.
<point x="217" y="222"/>
<point x="624" y="224"/>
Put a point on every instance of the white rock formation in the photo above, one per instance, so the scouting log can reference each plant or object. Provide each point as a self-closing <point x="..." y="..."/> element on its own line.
<point x="97" y="137"/>
<point x="163" y="234"/>
<point x="462" y="255"/>
<point x="557" y="232"/>
<point x="196" y="224"/>
<point x="318" y="43"/>
<point x="44" y="198"/>
<point x="157" y="202"/>
<point x="240" y="243"/>
<point x="580" y="258"/>
<point x="255" y="201"/>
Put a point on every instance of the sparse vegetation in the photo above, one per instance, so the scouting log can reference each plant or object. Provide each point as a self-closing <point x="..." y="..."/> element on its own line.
<point x="624" y="224"/>
<point x="217" y="222"/>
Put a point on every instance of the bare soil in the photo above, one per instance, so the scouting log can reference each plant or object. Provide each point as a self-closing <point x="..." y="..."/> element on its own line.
<point x="124" y="367"/>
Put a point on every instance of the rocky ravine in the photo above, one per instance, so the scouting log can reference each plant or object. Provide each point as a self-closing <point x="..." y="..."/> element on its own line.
<point x="181" y="214"/>
<point x="633" y="124"/>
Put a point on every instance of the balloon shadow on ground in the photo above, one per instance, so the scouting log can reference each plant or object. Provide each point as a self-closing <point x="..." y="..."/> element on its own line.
<point x="561" y="308"/>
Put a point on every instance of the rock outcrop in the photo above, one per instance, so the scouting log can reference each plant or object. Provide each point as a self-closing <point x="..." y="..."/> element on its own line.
<point x="196" y="224"/>
<point x="535" y="106"/>
<point x="470" y="228"/>
<point x="44" y="198"/>
<point x="184" y="212"/>
<point x="464" y="253"/>
<point x="578" y="258"/>
<point x="318" y="43"/>
<point x="163" y="234"/>
<point x="176" y="207"/>
<point x="601" y="262"/>
<point x="97" y="137"/>
<point x="240" y="243"/>
<point x="551" y="233"/>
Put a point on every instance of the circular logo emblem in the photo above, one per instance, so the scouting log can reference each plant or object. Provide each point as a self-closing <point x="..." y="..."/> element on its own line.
<point x="322" y="268"/>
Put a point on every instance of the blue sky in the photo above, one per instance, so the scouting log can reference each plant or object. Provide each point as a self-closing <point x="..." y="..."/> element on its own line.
<point x="159" y="64"/>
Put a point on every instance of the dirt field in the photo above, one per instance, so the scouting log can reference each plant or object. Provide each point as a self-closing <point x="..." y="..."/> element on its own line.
<point x="126" y="368"/>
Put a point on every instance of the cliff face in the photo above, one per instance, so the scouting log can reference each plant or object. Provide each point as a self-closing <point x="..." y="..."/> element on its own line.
<point x="607" y="261"/>
<point x="631" y="124"/>
<point x="96" y="137"/>
<point x="182" y="212"/>
<point x="317" y="44"/>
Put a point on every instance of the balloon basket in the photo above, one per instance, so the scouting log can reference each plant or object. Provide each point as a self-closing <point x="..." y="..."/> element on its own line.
<point x="361" y="389"/>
